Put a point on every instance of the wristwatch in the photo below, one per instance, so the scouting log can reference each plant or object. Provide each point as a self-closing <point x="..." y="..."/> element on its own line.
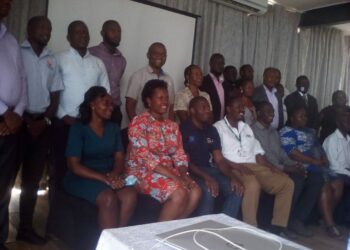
<point x="48" y="121"/>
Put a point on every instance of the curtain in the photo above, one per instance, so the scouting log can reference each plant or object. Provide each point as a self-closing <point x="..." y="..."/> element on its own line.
<point x="21" y="12"/>
<point x="271" y="39"/>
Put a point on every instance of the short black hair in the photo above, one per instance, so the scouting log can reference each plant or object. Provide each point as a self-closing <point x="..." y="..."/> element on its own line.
<point x="232" y="100"/>
<point x="214" y="56"/>
<point x="336" y="93"/>
<point x="35" y="20"/>
<point x="196" y="100"/>
<point x="295" y="109"/>
<point x="229" y="67"/>
<point x="244" y="66"/>
<point x="302" y="77"/>
<point x="245" y="81"/>
<point x="150" y="87"/>
<point x="73" y="24"/>
<point x="269" y="69"/>
<point x="108" y="22"/>
<point x="91" y="95"/>
<point x="260" y="105"/>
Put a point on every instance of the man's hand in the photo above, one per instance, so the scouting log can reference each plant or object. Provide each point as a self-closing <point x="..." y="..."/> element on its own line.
<point x="296" y="169"/>
<point x="237" y="186"/>
<point x="4" y="130"/>
<point x="35" y="128"/>
<point x="212" y="185"/>
<point x="12" y="120"/>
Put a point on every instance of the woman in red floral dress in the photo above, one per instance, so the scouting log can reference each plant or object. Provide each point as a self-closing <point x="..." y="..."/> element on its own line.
<point x="156" y="156"/>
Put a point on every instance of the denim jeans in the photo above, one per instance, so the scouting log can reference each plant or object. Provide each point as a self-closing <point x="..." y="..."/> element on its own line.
<point x="231" y="202"/>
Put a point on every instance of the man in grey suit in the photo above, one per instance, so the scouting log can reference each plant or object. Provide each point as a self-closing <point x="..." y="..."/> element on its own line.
<point x="267" y="92"/>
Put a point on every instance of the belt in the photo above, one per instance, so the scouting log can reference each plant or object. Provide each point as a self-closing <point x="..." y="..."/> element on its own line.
<point x="34" y="116"/>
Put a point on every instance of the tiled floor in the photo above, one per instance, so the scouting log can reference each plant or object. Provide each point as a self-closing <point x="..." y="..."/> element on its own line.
<point x="320" y="241"/>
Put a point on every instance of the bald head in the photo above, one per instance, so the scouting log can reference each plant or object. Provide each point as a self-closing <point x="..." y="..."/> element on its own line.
<point x="111" y="33"/>
<point x="156" y="55"/>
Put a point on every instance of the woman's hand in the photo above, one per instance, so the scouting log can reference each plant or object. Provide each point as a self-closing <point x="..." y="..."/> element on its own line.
<point x="114" y="181"/>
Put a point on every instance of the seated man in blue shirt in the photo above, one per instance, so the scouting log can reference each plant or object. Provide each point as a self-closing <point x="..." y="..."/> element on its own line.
<point x="202" y="145"/>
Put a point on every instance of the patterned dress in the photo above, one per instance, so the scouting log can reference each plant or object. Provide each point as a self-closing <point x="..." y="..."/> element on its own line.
<point x="154" y="143"/>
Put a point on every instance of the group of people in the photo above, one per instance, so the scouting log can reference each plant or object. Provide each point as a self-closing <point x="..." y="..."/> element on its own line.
<point x="217" y="139"/>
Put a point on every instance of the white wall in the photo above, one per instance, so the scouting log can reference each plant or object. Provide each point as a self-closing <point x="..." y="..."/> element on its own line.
<point x="141" y="26"/>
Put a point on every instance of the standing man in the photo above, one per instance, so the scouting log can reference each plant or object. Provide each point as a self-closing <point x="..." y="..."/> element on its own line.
<point x="213" y="84"/>
<point x="246" y="72"/>
<point x="301" y="96"/>
<point x="79" y="71"/>
<point x="268" y="92"/>
<point x="114" y="62"/>
<point x="156" y="59"/>
<point x="44" y="84"/>
<point x="206" y="162"/>
<point x="13" y="100"/>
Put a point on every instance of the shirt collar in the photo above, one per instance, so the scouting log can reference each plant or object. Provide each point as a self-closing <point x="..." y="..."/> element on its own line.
<point x="76" y="53"/>
<point x="274" y="90"/>
<point x="341" y="136"/>
<point x="150" y="70"/>
<point x="105" y="49"/>
<point x="3" y="30"/>
<point x="221" y="77"/>
<point x="240" y="124"/>
<point x="301" y="93"/>
<point x="26" y="45"/>
<point x="260" y="126"/>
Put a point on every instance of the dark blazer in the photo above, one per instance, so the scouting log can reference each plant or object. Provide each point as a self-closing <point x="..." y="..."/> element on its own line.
<point x="295" y="99"/>
<point x="209" y="87"/>
<point x="260" y="95"/>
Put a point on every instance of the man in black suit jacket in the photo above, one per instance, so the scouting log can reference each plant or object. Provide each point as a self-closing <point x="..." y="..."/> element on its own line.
<point x="267" y="92"/>
<point x="215" y="86"/>
<point x="300" y="97"/>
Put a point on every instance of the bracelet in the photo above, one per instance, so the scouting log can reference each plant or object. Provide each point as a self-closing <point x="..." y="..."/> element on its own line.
<point x="48" y="121"/>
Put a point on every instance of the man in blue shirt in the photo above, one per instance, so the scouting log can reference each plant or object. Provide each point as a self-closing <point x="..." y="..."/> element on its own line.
<point x="206" y="163"/>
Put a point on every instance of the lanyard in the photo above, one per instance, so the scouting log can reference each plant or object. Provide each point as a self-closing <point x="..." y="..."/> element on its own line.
<point x="238" y="137"/>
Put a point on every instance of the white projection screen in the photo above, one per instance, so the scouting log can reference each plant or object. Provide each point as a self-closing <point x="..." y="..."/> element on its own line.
<point x="142" y="24"/>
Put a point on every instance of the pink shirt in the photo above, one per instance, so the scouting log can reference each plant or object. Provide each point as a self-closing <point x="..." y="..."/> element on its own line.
<point x="220" y="91"/>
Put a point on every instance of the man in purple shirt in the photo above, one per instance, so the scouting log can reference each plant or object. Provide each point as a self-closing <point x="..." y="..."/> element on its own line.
<point x="113" y="60"/>
<point x="13" y="100"/>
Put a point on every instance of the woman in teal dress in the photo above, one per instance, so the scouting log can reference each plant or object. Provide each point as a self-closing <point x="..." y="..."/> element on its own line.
<point x="96" y="161"/>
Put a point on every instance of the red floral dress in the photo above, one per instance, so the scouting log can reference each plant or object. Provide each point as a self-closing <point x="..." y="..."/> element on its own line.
<point x="154" y="143"/>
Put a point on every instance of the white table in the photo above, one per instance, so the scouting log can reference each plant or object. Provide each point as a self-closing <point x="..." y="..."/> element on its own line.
<point x="143" y="237"/>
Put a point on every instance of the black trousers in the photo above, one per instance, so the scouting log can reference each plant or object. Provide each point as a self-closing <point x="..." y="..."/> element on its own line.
<point x="10" y="158"/>
<point x="306" y="192"/>
<point x="58" y="168"/>
<point x="35" y="155"/>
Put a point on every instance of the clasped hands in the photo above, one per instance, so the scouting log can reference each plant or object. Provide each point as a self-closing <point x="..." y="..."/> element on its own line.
<point x="114" y="180"/>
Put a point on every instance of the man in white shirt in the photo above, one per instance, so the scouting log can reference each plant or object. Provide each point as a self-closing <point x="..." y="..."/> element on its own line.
<point x="337" y="148"/>
<point x="246" y="157"/>
<point x="44" y="84"/>
<point x="156" y="59"/>
<point x="79" y="71"/>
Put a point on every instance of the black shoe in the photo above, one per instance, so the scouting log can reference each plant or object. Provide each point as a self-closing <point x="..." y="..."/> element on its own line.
<point x="31" y="236"/>
<point x="2" y="247"/>
<point x="298" y="227"/>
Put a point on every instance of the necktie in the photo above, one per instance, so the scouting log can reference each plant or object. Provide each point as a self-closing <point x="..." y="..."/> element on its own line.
<point x="305" y="99"/>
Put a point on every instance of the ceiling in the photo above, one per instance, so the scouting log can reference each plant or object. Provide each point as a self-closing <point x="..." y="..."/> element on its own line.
<point x="305" y="5"/>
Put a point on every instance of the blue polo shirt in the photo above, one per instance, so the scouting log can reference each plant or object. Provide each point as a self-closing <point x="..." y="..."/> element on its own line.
<point x="199" y="143"/>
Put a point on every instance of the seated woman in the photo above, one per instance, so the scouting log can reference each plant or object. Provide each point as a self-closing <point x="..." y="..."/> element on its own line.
<point x="247" y="87"/>
<point x="194" y="78"/>
<point x="337" y="147"/>
<point x="157" y="158"/>
<point x="301" y="144"/>
<point x="96" y="161"/>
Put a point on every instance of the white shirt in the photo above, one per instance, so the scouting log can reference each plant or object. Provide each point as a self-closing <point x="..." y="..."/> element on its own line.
<point x="138" y="80"/>
<point x="271" y="95"/>
<point x="42" y="77"/>
<point x="78" y="75"/>
<point x="337" y="148"/>
<point x="238" y="145"/>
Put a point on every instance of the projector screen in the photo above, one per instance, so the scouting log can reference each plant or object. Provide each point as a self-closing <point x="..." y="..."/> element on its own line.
<point x="142" y="24"/>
